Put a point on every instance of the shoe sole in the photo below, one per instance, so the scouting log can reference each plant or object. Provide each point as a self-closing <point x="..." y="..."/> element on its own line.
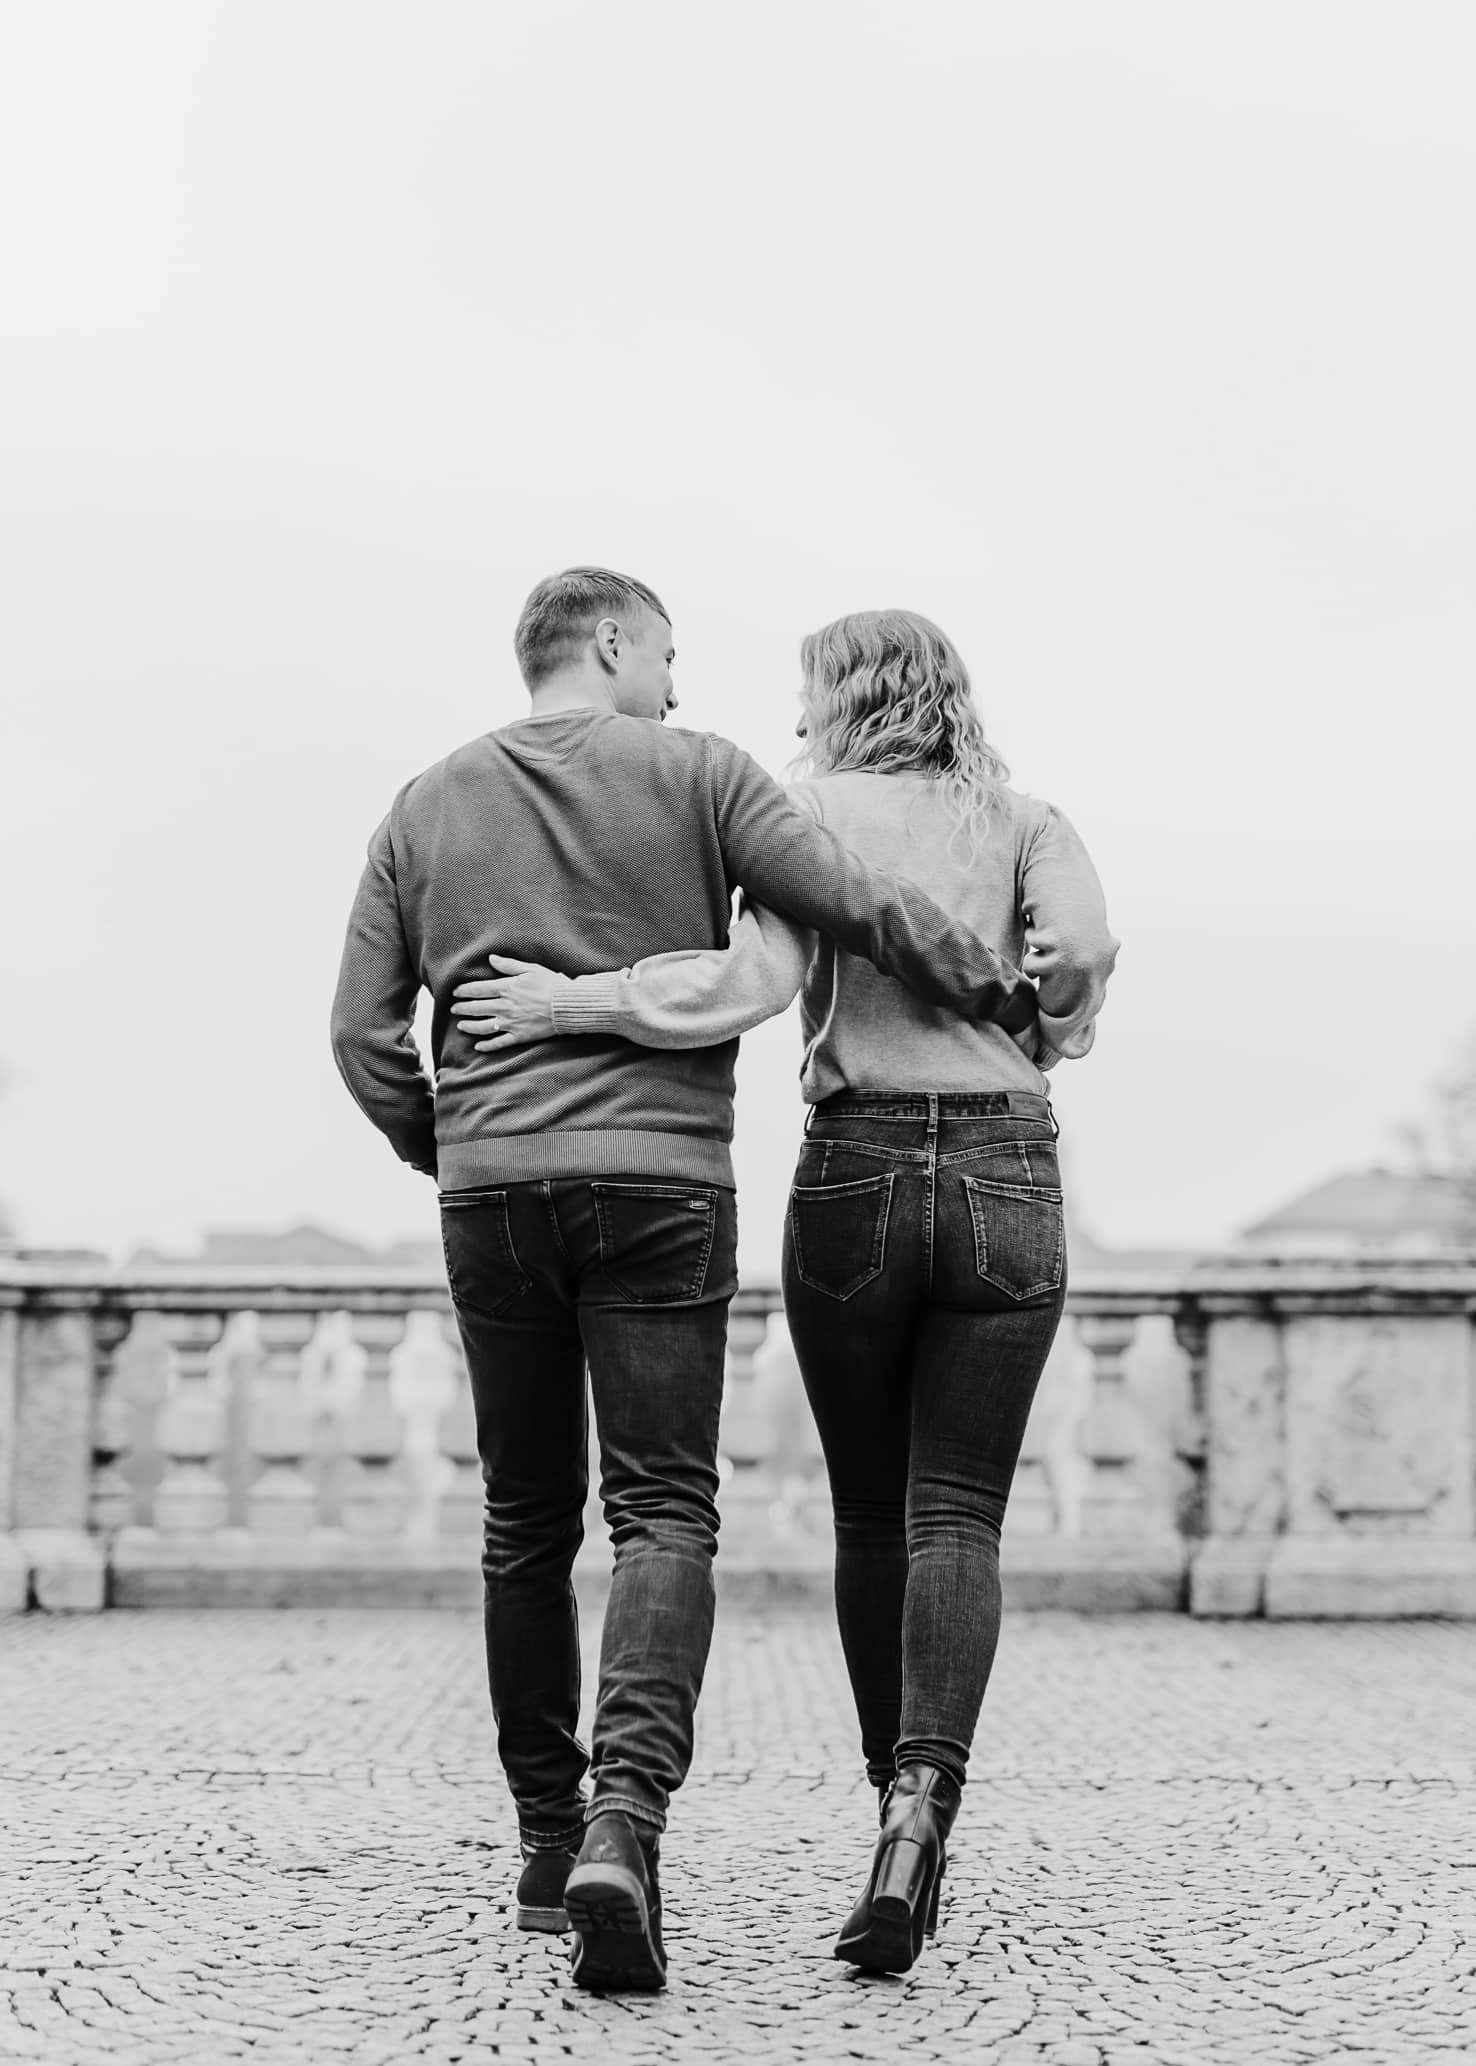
<point x="613" y="1947"/>
<point x="555" y="1921"/>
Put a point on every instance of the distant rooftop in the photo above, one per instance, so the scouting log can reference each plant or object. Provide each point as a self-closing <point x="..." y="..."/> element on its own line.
<point x="321" y="1246"/>
<point x="1379" y="1209"/>
<point x="1372" y="1208"/>
<point x="304" y="1243"/>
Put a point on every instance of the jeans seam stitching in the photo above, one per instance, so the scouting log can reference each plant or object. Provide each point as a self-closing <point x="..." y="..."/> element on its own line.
<point x="497" y="1202"/>
<point x="699" y="1278"/>
<point x="981" y="1246"/>
<point x="876" y="1150"/>
<point x="553" y="1218"/>
<point x="878" y="1243"/>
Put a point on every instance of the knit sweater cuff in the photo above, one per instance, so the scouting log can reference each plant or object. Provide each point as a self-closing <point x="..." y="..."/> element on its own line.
<point x="589" y="1004"/>
<point x="1070" y="1039"/>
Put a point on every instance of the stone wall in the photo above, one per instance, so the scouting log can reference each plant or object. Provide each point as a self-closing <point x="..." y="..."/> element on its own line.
<point x="1244" y="1437"/>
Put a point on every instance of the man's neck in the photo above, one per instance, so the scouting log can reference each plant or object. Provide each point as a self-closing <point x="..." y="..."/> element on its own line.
<point x="575" y="689"/>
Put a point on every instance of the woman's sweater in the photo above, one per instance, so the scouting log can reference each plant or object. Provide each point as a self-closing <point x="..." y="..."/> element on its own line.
<point x="1029" y="890"/>
<point x="587" y="837"/>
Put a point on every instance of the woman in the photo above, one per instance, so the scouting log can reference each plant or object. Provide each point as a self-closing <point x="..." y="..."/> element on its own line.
<point x="924" y="1254"/>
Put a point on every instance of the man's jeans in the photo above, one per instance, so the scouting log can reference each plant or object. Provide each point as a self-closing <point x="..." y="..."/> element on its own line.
<point x="635" y="1276"/>
<point x="924" y="1276"/>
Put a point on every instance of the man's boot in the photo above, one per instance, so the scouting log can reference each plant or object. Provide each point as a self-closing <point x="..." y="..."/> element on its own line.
<point x="614" y="1907"/>
<point x="540" y="1898"/>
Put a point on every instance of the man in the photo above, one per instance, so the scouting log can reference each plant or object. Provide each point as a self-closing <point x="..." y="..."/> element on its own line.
<point x="587" y="1200"/>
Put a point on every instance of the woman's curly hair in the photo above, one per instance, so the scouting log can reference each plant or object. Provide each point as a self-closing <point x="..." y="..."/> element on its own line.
<point x="885" y="692"/>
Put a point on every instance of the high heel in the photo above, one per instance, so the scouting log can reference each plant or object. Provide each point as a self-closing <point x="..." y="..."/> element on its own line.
<point x="899" y="1908"/>
<point x="930" y="1927"/>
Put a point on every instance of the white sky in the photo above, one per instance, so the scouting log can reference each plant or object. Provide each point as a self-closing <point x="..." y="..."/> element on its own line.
<point x="1132" y="343"/>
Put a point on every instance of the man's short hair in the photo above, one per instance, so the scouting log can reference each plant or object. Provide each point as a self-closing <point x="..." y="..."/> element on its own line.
<point x="562" y="611"/>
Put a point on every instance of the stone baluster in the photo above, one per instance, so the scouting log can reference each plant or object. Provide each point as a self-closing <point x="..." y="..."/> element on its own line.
<point x="596" y="1551"/>
<point x="747" y="1442"/>
<point x="374" y="1495"/>
<point x="1032" y="1507"/>
<point x="423" y="1380"/>
<point x="1110" y="1434"/>
<point x="332" y="1370"/>
<point x="460" y="1509"/>
<point x="746" y="1436"/>
<point x="192" y="1496"/>
<point x="1191" y="1332"/>
<point x="792" y="1479"/>
<point x="15" y="1570"/>
<point x="51" y="1385"/>
<point x="282" y="1500"/>
<point x="110" y="1498"/>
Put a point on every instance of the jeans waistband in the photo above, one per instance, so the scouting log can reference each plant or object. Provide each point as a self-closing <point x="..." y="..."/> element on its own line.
<point x="947" y="1104"/>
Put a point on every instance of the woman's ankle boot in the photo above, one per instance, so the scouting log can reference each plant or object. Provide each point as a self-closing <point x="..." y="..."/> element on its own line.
<point x="900" y="1904"/>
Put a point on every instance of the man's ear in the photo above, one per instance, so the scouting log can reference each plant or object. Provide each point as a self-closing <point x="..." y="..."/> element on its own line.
<point x="608" y="638"/>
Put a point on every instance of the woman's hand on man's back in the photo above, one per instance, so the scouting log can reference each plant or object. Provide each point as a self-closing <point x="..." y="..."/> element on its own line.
<point x="510" y="1008"/>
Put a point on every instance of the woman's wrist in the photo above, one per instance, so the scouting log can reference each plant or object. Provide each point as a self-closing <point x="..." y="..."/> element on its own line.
<point x="589" y="1004"/>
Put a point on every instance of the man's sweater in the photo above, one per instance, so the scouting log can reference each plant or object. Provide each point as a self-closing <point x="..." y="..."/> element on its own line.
<point x="589" y="841"/>
<point x="1030" y="888"/>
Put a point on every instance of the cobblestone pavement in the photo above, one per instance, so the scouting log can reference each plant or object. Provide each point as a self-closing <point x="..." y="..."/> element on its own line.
<point x="282" y="1837"/>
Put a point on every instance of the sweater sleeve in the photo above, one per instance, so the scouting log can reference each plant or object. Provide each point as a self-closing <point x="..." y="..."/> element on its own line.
<point x="374" y="1016"/>
<point x="1068" y="948"/>
<point x="696" y="997"/>
<point x="785" y="859"/>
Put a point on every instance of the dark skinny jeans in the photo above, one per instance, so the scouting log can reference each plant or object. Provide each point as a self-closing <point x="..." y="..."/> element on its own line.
<point x="924" y="1277"/>
<point x="634" y="1275"/>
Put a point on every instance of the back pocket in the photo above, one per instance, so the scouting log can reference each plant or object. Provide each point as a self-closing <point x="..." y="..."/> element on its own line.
<point x="655" y="1239"/>
<point x="840" y="1233"/>
<point x="1019" y="1238"/>
<point x="482" y="1265"/>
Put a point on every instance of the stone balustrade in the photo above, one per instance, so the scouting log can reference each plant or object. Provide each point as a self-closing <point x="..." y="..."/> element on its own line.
<point x="1247" y="1436"/>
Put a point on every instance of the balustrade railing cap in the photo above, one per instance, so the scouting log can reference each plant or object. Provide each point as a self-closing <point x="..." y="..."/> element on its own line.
<point x="1307" y="1272"/>
<point x="77" y="1281"/>
<point x="68" y="1268"/>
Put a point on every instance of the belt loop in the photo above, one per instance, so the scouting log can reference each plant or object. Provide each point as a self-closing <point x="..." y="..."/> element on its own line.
<point x="1055" y="1122"/>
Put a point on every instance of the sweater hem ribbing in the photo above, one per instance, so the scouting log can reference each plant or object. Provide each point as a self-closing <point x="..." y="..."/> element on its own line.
<point x="518" y="1158"/>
